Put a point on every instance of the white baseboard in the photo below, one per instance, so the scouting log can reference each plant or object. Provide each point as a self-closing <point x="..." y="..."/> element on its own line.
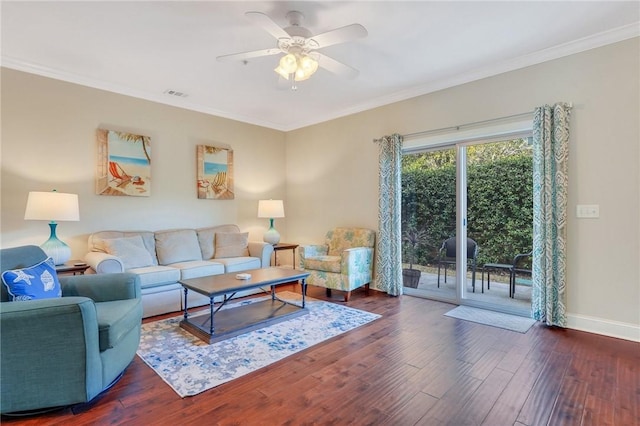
<point x="620" y="330"/>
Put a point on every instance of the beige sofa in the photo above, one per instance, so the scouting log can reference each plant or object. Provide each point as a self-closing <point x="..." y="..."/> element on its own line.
<point x="162" y="258"/>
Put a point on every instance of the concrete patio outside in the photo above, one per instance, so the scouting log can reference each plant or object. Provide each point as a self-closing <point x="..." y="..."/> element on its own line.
<point x="498" y="294"/>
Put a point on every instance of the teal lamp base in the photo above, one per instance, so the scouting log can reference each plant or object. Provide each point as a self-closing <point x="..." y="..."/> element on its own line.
<point x="271" y="236"/>
<point x="56" y="249"/>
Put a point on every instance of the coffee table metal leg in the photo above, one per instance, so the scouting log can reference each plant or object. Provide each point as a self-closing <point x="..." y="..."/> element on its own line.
<point x="186" y="312"/>
<point x="304" y="290"/>
<point x="211" y="315"/>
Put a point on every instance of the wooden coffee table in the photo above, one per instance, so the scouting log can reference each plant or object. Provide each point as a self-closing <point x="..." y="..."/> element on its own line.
<point x="221" y="323"/>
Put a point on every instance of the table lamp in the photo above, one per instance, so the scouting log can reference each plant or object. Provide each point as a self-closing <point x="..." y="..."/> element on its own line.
<point x="53" y="206"/>
<point x="271" y="209"/>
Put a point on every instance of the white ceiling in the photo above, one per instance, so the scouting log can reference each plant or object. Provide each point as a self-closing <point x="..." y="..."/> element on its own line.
<point x="143" y="48"/>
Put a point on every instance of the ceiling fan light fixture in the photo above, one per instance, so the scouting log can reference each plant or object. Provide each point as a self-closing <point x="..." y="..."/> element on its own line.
<point x="284" y="74"/>
<point x="308" y="64"/>
<point x="289" y="63"/>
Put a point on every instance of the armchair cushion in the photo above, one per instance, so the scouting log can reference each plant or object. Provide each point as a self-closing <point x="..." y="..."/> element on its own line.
<point x="324" y="263"/>
<point x="130" y="250"/>
<point x="115" y="320"/>
<point x="39" y="281"/>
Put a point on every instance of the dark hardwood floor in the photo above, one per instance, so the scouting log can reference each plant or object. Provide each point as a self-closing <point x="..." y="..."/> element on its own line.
<point x="413" y="366"/>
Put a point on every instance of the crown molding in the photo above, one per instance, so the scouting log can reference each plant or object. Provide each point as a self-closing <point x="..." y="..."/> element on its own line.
<point x="576" y="46"/>
<point x="31" y="68"/>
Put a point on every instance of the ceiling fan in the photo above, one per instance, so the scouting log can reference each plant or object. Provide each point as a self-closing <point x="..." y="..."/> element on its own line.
<point x="299" y="46"/>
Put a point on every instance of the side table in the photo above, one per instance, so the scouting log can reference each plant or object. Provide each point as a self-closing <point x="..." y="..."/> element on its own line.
<point x="284" y="246"/>
<point x="72" y="267"/>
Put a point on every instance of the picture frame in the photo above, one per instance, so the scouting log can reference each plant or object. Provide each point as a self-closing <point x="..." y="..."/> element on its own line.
<point x="123" y="164"/>
<point x="214" y="172"/>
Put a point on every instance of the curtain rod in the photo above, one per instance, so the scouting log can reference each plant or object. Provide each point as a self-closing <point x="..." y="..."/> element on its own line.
<point x="475" y="123"/>
<point x="460" y="126"/>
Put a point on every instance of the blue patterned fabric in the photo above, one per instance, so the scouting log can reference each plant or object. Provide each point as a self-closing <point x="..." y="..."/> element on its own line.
<point x="39" y="281"/>
<point x="550" y="155"/>
<point x="388" y="264"/>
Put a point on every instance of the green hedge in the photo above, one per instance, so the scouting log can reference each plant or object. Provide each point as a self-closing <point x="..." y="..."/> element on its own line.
<point x="499" y="207"/>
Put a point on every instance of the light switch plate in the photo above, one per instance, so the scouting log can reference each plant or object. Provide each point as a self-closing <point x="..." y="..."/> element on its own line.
<point x="590" y="211"/>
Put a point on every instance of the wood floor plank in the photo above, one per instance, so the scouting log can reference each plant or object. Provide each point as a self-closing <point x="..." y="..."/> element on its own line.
<point x="598" y="411"/>
<point x="411" y="412"/>
<point x="412" y="366"/>
<point x="569" y="407"/>
<point x="542" y="398"/>
<point x="507" y="407"/>
<point x="450" y="404"/>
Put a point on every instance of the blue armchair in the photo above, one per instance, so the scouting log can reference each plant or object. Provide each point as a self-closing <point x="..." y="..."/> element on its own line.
<point x="66" y="350"/>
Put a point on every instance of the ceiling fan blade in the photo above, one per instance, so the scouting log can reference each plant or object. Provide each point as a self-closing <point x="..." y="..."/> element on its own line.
<point x="340" y="35"/>
<point x="336" y="67"/>
<point x="249" y="55"/>
<point x="267" y="24"/>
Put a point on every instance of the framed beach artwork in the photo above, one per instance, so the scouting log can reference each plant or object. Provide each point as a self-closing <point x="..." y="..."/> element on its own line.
<point x="215" y="172"/>
<point x="124" y="164"/>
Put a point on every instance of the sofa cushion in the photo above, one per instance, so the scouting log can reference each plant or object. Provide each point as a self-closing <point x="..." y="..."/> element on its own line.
<point x="237" y="264"/>
<point x="205" y="239"/>
<point x="115" y="319"/>
<point x="39" y="281"/>
<point x="198" y="268"/>
<point x="323" y="263"/>
<point x="179" y="245"/>
<point x="152" y="276"/>
<point x="231" y="244"/>
<point x="130" y="250"/>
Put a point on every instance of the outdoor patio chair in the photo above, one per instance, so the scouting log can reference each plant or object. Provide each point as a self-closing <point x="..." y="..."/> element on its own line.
<point x="512" y="269"/>
<point x="518" y="269"/>
<point x="448" y="257"/>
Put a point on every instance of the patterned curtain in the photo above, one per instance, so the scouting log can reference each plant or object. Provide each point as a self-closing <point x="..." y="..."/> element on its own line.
<point x="388" y="264"/>
<point x="550" y="152"/>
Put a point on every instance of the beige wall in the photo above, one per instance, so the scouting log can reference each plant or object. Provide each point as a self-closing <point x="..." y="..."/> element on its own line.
<point x="327" y="174"/>
<point x="48" y="141"/>
<point x="332" y="167"/>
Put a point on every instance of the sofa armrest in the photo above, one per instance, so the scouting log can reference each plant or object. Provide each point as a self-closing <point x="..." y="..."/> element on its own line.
<point x="312" y="250"/>
<point x="261" y="250"/>
<point x="49" y="345"/>
<point x="102" y="288"/>
<point x="358" y="260"/>
<point x="103" y="263"/>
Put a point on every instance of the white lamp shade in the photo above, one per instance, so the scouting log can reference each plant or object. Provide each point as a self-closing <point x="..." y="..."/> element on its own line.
<point x="270" y="208"/>
<point x="53" y="206"/>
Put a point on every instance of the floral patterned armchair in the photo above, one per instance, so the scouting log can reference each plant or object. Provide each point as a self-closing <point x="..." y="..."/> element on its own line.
<point x="344" y="262"/>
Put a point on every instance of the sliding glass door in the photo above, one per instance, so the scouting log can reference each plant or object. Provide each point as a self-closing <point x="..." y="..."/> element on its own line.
<point x="467" y="212"/>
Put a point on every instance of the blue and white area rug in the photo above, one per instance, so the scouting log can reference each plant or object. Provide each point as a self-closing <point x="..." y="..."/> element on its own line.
<point x="492" y="318"/>
<point x="191" y="366"/>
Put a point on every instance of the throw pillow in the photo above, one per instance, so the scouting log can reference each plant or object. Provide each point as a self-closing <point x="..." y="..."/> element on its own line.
<point x="177" y="245"/>
<point x="130" y="250"/>
<point x="39" y="281"/>
<point x="231" y="244"/>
